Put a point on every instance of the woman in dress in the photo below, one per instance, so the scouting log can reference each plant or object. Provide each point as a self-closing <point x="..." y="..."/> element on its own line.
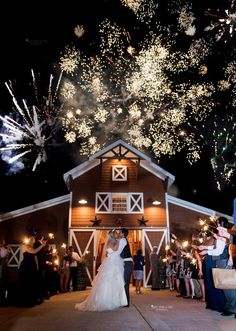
<point x="139" y="263"/>
<point x="108" y="286"/>
<point x="28" y="280"/>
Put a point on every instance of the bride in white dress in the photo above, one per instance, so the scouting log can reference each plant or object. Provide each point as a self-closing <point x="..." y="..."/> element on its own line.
<point x="107" y="291"/>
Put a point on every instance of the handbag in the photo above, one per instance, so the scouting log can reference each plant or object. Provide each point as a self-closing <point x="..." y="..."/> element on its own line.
<point x="224" y="279"/>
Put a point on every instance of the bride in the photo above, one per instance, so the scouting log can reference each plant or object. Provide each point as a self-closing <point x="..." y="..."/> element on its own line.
<point x="108" y="286"/>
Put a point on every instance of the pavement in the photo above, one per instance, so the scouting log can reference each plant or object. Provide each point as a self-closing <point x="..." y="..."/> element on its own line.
<point x="149" y="311"/>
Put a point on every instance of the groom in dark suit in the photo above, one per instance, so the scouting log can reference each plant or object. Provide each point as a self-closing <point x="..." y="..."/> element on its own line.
<point x="125" y="254"/>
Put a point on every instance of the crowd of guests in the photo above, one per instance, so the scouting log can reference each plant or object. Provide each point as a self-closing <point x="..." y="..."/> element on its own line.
<point x="4" y="258"/>
<point x="189" y="268"/>
<point x="43" y="271"/>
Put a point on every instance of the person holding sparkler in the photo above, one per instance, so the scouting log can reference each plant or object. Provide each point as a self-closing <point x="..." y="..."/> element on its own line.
<point x="41" y="257"/>
<point x="27" y="283"/>
<point x="218" y="254"/>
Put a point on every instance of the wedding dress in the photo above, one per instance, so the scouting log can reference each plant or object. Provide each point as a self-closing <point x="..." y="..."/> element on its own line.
<point x="107" y="291"/>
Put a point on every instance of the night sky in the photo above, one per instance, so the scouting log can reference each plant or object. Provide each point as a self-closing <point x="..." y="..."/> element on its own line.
<point x="35" y="36"/>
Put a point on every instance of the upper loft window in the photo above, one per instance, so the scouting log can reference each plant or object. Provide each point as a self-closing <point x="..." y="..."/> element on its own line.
<point x="119" y="203"/>
<point x="119" y="173"/>
<point x="116" y="203"/>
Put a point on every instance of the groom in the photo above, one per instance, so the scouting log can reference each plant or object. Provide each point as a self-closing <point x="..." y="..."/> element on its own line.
<point x="124" y="251"/>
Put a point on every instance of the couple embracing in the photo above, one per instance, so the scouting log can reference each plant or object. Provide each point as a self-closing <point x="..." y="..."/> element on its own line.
<point x="110" y="288"/>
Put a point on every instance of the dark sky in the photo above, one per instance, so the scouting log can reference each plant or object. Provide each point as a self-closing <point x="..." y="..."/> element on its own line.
<point x="34" y="36"/>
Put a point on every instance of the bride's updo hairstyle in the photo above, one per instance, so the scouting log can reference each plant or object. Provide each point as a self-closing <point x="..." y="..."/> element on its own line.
<point x="111" y="235"/>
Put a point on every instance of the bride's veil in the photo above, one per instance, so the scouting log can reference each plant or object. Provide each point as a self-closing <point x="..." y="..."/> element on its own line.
<point x="108" y="239"/>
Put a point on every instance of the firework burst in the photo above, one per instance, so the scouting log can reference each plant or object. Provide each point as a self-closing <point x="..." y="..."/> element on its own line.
<point x="148" y="90"/>
<point x="223" y="23"/>
<point x="224" y="156"/>
<point x="139" y="95"/>
<point x="30" y="128"/>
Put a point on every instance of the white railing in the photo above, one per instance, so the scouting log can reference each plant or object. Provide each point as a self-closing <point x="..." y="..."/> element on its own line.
<point x="15" y="255"/>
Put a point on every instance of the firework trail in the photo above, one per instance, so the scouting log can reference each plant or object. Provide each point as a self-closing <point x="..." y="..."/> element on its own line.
<point x="29" y="129"/>
<point x="222" y="22"/>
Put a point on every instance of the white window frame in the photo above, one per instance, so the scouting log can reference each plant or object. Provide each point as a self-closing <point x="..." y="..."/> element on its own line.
<point x="134" y="202"/>
<point x="119" y="173"/>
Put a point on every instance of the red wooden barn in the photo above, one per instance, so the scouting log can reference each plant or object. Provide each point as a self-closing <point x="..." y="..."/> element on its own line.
<point x="119" y="186"/>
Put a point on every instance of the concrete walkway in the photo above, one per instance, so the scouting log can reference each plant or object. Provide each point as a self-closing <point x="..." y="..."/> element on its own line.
<point x="153" y="310"/>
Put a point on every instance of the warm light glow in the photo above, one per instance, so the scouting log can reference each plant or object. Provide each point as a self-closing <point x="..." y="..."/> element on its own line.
<point x="156" y="202"/>
<point x="167" y="247"/>
<point x="51" y="235"/>
<point x="63" y="245"/>
<point x="26" y="241"/>
<point x="56" y="262"/>
<point x="83" y="201"/>
<point x="201" y="222"/>
<point x="185" y="243"/>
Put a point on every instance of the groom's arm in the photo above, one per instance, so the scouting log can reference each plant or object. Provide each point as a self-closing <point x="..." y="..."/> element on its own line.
<point x="121" y="246"/>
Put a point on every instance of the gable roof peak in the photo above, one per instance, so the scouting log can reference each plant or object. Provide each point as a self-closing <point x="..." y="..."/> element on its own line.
<point x="119" y="149"/>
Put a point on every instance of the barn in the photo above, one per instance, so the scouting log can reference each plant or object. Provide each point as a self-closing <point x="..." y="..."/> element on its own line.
<point x="119" y="186"/>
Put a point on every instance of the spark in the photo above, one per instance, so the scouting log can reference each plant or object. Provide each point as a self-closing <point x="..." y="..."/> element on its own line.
<point x="69" y="61"/>
<point x="186" y="19"/>
<point x="143" y="9"/>
<point x="79" y="31"/>
<point x="223" y="158"/>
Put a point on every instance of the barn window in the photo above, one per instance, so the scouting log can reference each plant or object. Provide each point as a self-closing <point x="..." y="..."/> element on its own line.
<point x="113" y="203"/>
<point x="119" y="173"/>
<point x="119" y="203"/>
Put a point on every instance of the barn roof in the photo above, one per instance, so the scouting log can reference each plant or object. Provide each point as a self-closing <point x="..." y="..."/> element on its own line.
<point x="35" y="207"/>
<point x="121" y="150"/>
<point x="194" y="207"/>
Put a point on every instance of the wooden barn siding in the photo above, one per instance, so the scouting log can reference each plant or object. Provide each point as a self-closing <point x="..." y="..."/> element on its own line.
<point x="99" y="180"/>
<point x="183" y="221"/>
<point x="52" y="219"/>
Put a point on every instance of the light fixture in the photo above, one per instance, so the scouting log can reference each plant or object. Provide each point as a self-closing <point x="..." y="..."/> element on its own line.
<point x="83" y="201"/>
<point x="156" y="202"/>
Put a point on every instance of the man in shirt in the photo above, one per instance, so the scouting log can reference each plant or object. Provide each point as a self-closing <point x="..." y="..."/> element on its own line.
<point x="74" y="260"/>
<point x="124" y="251"/>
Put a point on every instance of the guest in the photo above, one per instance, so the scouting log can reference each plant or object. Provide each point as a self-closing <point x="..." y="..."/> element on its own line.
<point x="75" y="259"/>
<point x="171" y="269"/>
<point x="4" y="255"/>
<point x="41" y="256"/>
<point x="65" y="273"/>
<point x="139" y="263"/>
<point x="215" y="298"/>
<point x="155" y="263"/>
<point x="27" y="284"/>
